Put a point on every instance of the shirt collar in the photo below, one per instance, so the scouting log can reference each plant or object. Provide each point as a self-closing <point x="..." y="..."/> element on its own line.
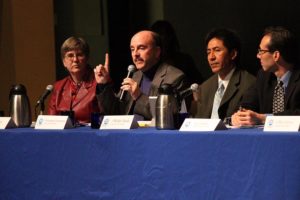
<point x="285" y="78"/>
<point x="226" y="80"/>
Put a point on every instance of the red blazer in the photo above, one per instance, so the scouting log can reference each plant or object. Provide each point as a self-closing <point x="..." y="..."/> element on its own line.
<point x="83" y="104"/>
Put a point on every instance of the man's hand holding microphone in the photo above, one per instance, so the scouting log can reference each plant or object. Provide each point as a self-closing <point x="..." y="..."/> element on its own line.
<point x="102" y="76"/>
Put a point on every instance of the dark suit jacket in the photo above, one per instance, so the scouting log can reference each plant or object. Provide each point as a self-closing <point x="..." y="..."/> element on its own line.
<point x="109" y="102"/>
<point x="83" y="105"/>
<point x="240" y="81"/>
<point x="260" y="97"/>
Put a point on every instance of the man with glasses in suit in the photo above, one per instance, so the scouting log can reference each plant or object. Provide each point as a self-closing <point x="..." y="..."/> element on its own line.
<point x="277" y="89"/>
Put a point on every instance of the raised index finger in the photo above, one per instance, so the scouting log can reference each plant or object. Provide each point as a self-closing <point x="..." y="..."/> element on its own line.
<point x="106" y="64"/>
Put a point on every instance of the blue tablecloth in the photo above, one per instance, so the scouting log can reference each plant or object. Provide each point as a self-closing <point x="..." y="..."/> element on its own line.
<point x="146" y="164"/>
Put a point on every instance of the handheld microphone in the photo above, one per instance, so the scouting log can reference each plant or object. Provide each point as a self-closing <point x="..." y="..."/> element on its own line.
<point x="185" y="93"/>
<point x="131" y="70"/>
<point x="48" y="90"/>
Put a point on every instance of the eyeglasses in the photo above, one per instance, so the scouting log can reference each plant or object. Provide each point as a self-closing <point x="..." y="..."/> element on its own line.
<point x="262" y="51"/>
<point x="71" y="56"/>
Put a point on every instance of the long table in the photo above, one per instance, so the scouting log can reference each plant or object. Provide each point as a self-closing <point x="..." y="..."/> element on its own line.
<point x="146" y="164"/>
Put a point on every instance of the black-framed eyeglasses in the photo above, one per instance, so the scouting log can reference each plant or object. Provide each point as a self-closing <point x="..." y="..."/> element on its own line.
<point x="262" y="51"/>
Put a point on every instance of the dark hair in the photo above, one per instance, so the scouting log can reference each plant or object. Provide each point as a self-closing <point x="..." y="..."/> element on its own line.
<point x="230" y="40"/>
<point x="167" y="34"/>
<point x="284" y="41"/>
<point x="75" y="43"/>
<point x="156" y="39"/>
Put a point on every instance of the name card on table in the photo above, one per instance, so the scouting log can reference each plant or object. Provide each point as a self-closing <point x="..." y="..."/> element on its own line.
<point x="282" y="123"/>
<point x="7" y="122"/>
<point x="196" y="124"/>
<point x="53" y="122"/>
<point x="118" y="122"/>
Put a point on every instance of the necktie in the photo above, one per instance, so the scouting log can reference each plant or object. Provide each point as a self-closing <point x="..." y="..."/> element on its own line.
<point x="278" y="98"/>
<point x="217" y="100"/>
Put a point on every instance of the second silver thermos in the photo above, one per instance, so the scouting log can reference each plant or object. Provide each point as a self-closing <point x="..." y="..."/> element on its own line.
<point x="166" y="107"/>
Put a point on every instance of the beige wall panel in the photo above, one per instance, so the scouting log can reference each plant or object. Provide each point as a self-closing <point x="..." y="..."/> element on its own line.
<point x="31" y="46"/>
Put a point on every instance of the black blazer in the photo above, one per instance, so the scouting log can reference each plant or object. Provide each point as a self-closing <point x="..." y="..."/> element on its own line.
<point x="259" y="98"/>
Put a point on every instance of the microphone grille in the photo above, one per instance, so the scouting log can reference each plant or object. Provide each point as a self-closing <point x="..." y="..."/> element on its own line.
<point x="194" y="87"/>
<point x="49" y="87"/>
<point x="131" y="68"/>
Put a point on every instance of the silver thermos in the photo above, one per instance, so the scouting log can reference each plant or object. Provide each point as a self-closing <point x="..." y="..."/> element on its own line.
<point x="19" y="106"/>
<point x="166" y="107"/>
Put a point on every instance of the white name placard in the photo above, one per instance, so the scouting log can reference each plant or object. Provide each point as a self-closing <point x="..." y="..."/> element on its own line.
<point x="118" y="122"/>
<point x="196" y="124"/>
<point x="282" y="123"/>
<point x="7" y="122"/>
<point x="53" y="122"/>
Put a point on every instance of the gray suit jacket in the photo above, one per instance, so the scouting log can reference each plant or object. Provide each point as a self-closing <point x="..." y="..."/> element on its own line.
<point x="240" y="81"/>
<point x="109" y="102"/>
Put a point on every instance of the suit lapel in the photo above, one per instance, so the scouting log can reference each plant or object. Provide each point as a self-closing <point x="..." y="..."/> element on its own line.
<point x="137" y="76"/>
<point x="65" y="95"/>
<point x="158" y="79"/>
<point x="232" y="87"/>
<point x="292" y="84"/>
<point x="207" y="108"/>
<point x="268" y="92"/>
<point x="83" y="91"/>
